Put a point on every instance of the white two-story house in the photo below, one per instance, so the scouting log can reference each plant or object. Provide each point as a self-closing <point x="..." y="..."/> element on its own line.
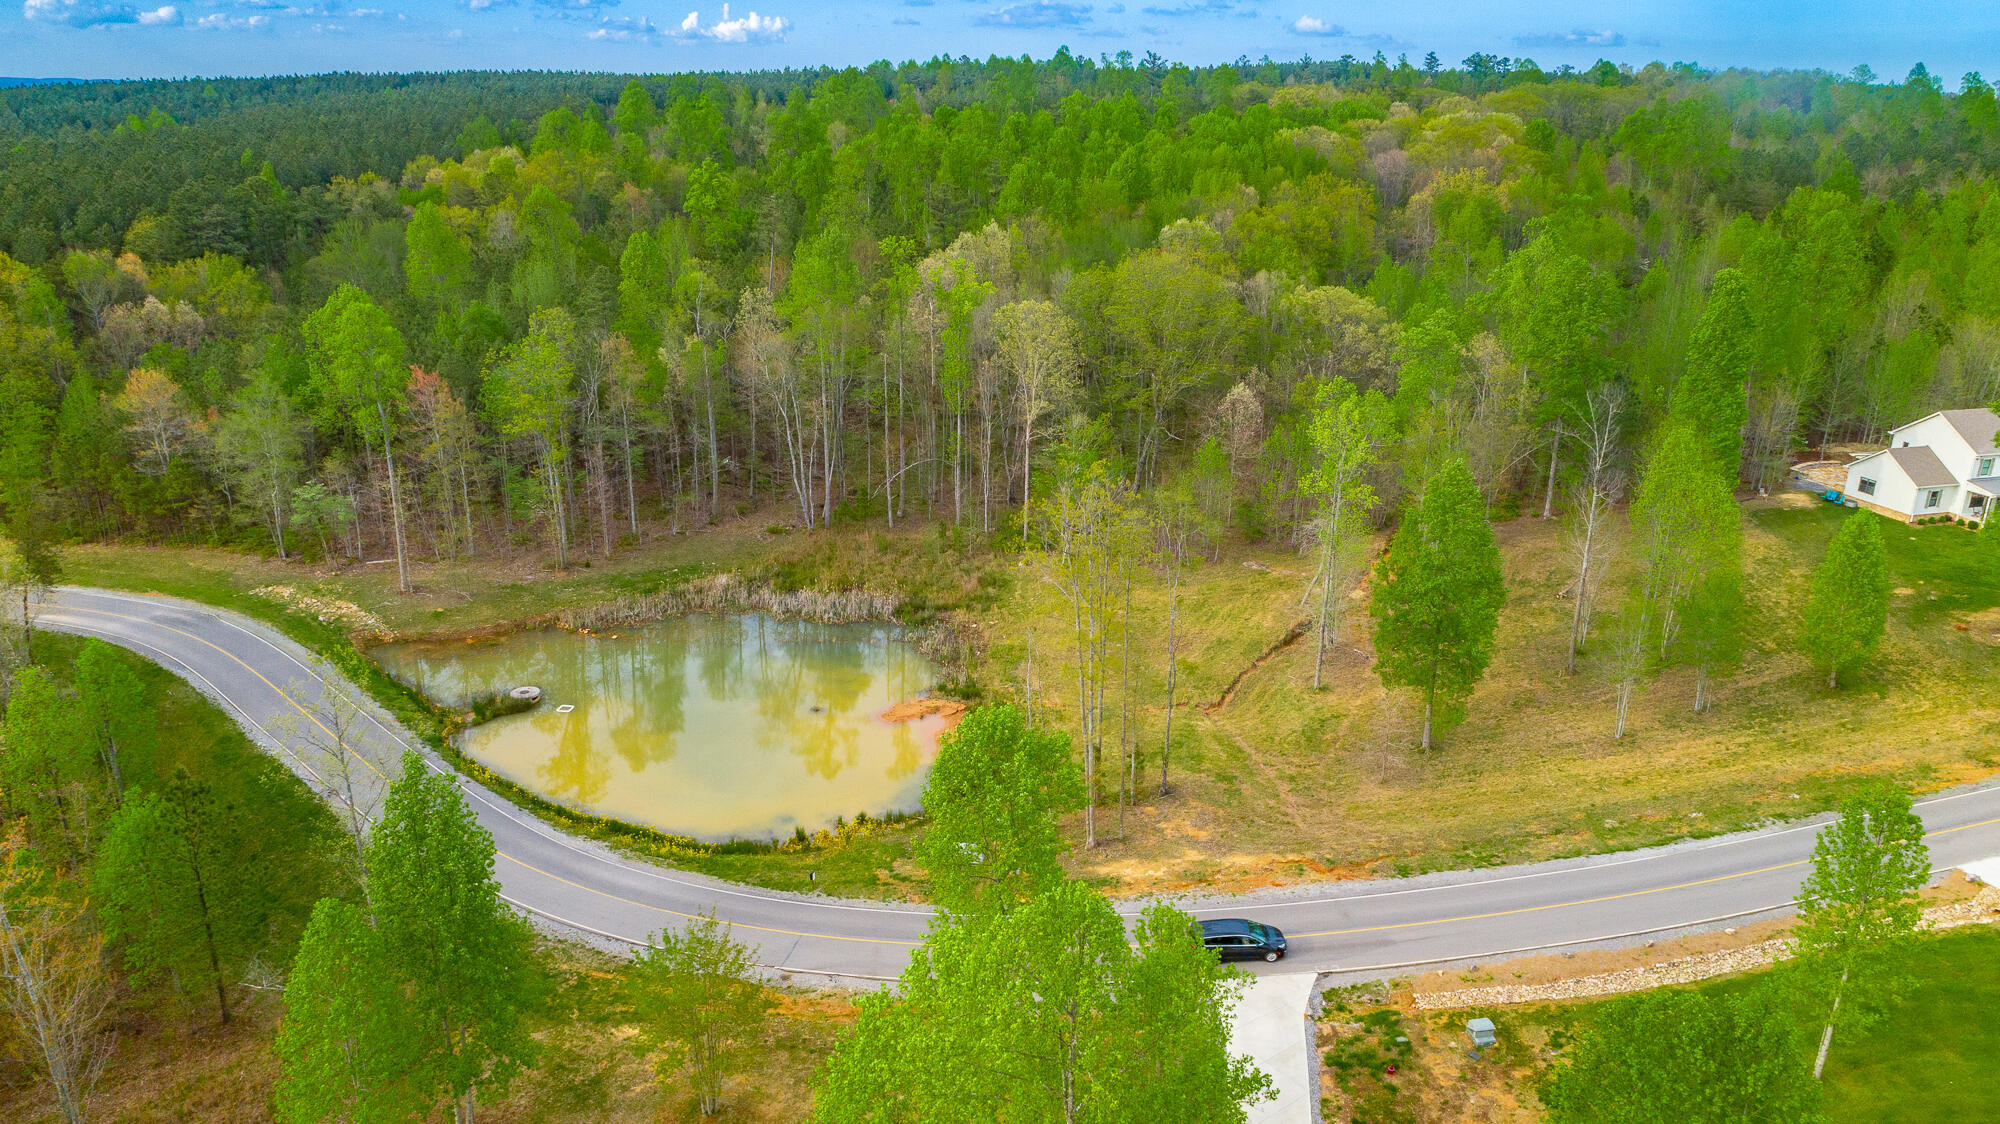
<point x="1944" y="464"/>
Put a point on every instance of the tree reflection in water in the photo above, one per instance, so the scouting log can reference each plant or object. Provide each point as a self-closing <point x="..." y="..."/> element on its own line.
<point x="714" y="726"/>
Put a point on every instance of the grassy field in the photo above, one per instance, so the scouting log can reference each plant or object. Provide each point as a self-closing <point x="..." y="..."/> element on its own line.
<point x="1928" y="1059"/>
<point x="1283" y="782"/>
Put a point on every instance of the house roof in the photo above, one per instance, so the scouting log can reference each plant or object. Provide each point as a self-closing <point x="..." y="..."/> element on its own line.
<point x="1988" y="484"/>
<point x="1922" y="466"/>
<point x="1977" y="426"/>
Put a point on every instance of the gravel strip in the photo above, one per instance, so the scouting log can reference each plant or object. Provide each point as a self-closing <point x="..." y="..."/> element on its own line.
<point x="1982" y="908"/>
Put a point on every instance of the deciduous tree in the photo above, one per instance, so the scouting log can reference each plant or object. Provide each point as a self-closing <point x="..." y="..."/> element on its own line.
<point x="460" y="953"/>
<point x="1686" y="1055"/>
<point x="1067" y="1020"/>
<point x="1859" y="903"/>
<point x="993" y="799"/>
<point x="53" y="987"/>
<point x="1437" y="597"/>
<point x="347" y="1038"/>
<point x="699" y="1006"/>
<point x="1847" y="612"/>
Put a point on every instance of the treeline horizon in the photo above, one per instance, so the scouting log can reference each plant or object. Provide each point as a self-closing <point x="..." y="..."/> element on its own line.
<point x="873" y="293"/>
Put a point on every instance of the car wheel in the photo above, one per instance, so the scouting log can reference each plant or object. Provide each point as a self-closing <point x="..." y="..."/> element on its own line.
<point x="1270" y="956"/>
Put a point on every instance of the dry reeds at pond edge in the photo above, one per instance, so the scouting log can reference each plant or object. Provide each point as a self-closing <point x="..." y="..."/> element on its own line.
<point x="729" y="593"/>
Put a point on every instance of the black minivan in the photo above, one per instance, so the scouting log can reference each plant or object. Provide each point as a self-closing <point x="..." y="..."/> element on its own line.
<point x="1236" y="938"/>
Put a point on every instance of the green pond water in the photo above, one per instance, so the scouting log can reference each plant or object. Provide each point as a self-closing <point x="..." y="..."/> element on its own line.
<point x="717" y="727"/>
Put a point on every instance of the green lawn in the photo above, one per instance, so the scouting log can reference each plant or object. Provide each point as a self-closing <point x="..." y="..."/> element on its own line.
<point x="1932" y="1058"/>
<point x="1949" y="569"/>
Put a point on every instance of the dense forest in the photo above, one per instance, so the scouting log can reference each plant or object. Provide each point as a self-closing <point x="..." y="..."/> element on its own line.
<point x="426" y="317"/>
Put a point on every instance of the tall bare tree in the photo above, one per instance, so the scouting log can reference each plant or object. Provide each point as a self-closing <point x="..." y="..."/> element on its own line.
<point x="1589" y="517"/>
<point x="53" y="985"/>
<point x="1037" y="342"/>
<point x="1345" y="430"/>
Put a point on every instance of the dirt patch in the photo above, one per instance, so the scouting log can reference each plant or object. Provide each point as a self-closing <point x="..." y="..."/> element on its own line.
<point x="1984" y="624"/>
<point x="909" y="710"/>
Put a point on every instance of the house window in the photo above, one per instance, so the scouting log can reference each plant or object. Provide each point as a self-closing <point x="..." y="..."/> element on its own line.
<point x="1985" y="466"/>
<point x="1867" y="486"/>
<point x="1933" y="497"/>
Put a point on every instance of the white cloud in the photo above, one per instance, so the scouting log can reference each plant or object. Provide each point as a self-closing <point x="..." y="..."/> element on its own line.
<point x="1313" y="25"/>
<point x="1580" y="37"/>
<point x="1037" y="13"/>
<point x="751" y="28"/>
<point x="78" y="13"/>
<point x="221" y="22"/>
<point x="624" y="29"/>
<point x="167" y="14"/>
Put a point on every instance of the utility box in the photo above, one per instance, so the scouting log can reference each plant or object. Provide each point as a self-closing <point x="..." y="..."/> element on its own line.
<point x="1481" y="1031"/>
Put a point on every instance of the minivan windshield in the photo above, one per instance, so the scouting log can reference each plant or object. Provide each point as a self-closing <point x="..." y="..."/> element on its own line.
<point x="1260" y="931"/>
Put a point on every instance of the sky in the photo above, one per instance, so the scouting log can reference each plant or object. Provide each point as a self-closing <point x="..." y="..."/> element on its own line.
<point x="178" y="38"/>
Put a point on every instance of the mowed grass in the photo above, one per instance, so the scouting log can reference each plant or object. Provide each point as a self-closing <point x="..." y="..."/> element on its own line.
<point x="1931" y="1057"/>
<point x="1928" y="1058"/>
<point x="1285" y="782"/>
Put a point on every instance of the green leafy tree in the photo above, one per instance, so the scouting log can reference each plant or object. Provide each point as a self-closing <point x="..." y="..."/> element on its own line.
<point x="1712" y="395"/>
<point x="1555" y="312"/>
<point x="346" y="1035"/>
<point x="1687" y="532"/>
<point x="1437" y="597"/>
<point x="699" y="1006"/>
<point x="460" y="954"/>
<point x="261" y="449"/>
<point x="1047" y="1013"/>
<point x="1847" y="612"/>
<point x="177" y="893"/>
<point x="993" y="799"/>
<point x="529" y="395"/>
<point x="114" y="711"/>
<point x="356" y="355"/>
<point x="47" y="771"/>
<point x="437" y="264"/>
<point x="1859" y="907"/>
<point x="317" y="509"/>
<point x="1687" y="1056"/>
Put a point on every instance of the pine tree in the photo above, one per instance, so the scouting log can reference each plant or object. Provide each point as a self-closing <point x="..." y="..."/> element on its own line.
<point x="1437" y="598"/>
<point x="175" y="891"/>
<point x="1848" y="611"/>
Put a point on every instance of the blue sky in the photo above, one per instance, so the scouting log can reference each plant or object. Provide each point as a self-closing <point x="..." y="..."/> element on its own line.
<point x="171" y="38"/>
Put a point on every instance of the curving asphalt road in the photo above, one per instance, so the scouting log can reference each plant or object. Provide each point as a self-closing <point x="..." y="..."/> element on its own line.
<point x="1350" y="929"/>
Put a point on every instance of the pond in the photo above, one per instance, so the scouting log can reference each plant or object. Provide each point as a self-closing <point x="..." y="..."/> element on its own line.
<point x="716" y="727"/>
